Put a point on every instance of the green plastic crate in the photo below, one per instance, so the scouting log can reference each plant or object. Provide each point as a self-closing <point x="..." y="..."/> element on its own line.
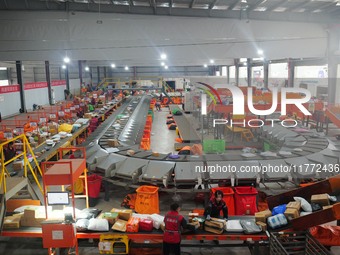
<point x="151" y="113"/>
<point x="213" y="146"/>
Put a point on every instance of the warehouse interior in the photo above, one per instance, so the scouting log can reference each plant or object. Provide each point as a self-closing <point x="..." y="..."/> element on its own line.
<point x="112" y="113"/>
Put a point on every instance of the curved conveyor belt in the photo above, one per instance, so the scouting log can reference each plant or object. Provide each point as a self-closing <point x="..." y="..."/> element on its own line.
<point x="301" y="150"/>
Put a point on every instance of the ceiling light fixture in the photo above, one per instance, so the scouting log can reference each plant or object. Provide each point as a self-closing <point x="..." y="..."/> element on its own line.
<point x="113" y="65"/>
<point x="163" y="56"/>
<point x="66" y="60"/>
<point x="162" y="64"/>
<point x="166" y="67"/>
<point x="260" y="52"/>
<point x="212" y="61"/>
<point x="126" y="68"/>
<point x="205" y="65"/>
<point x="63" y="67"/>
<point x="87" y="68"/>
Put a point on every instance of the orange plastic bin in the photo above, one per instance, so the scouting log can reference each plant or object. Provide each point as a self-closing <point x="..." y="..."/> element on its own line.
<point x="228" y="197"/>
<point x="147" y="201"/>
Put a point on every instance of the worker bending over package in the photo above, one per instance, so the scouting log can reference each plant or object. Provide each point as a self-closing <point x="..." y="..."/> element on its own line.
<point x="215" y="206"/>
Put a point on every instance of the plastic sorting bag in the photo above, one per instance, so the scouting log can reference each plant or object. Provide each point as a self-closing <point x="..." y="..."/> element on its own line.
<point x="98" y="225"/>
<point x="234" y="226"/>
<point x="280" y="209"/>
<point x="326" y="235"/>
<point x="277" y="221"/>
<point x="304" y="204"/>
<point x="250" y="227"/>
<point x="157" y="220"/>
<point x="82" y="224"/>
<point x="65" y="128"/>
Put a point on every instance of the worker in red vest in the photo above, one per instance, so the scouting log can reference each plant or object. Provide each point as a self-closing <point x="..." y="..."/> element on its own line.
<point x="172" y="234"/>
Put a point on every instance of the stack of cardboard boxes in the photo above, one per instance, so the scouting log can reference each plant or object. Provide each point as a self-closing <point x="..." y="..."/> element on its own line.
<point x="293" y="210"/>
<point x="261" y="218"/>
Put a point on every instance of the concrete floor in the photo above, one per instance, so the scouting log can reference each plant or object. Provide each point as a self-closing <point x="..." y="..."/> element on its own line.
<point x="162" y="139"/>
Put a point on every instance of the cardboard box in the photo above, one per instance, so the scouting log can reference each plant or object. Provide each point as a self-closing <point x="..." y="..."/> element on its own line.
<point x="12" y="221"/>
<point x="30" y="219"/>
<point x="88" y="115"/>
<point x="42" y="139"/>
<point x="191" y="216"/>
<point x="295" y="205"/>
<point x="262" y="225"/>
<point x="17" y="165"/>
<point x="291" y="213"/>
<point x="321" y="199"/>
<point x="123" y="214"/>
<point x="263" y="216"/>
<point x="113" y="143"/>
<point x="120" y="225"/>
<point x="111" y="217"/>
<point x="224" y="222"/>
<point x="162" y="226"/>
<point x="327" y="207"/>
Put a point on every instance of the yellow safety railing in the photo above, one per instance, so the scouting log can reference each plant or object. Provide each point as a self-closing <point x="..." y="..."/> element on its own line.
<point x="26" y="149"/>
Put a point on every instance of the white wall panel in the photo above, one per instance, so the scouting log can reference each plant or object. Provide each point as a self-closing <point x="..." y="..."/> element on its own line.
<point x="36" y="96"/>
<point x="9" y="104"/>
<point x="59" y="92"/>
<point x="75" y="86"/>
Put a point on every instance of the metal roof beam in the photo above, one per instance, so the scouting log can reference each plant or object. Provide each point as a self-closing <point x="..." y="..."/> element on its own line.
<point x="192" y="3"/>
<point x="322" y="7"/>
<point x="232" y="6"/>
<point x="213" y="4"/>
<point x="251" y="15"/>
<point x="254" y="5"/>
<point x="153" y="5"/>
<point x="301" y="5"/>
<point x="273" y="7"/>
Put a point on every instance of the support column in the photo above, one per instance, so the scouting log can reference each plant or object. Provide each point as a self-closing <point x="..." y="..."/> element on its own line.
<point x="291" y="73"/>
<point x="18" y="65"/>
<point x="104" y="72"/>
<point x="265" y="73"/>
<point x="110" y="72"/>
<point x="67" y="78"/>
<point x="80" y="71"/>
<point x="134" y="72"/>
<point x="59" y="73"/>
<point x="249" y="75"/>
<point x="98" y="74"/>
<point x="236" y="62"/>
<point x="228" y="74"/>
<point x="48" y="80"/>
<point x="211" y="70"/>
<point x="91" y="74"/>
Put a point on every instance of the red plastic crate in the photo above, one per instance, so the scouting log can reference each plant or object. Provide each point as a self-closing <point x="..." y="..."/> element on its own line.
<point x="245" y="199"/>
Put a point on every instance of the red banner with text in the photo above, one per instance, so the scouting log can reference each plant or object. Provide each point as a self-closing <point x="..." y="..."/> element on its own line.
<point x="30" y="85"/>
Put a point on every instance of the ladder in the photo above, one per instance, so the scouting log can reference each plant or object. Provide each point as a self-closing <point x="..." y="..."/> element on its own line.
<point x="247" y="135"/>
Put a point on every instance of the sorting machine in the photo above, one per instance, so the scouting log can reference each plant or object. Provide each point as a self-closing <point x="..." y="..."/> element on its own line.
<point x="298" y="150"/>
